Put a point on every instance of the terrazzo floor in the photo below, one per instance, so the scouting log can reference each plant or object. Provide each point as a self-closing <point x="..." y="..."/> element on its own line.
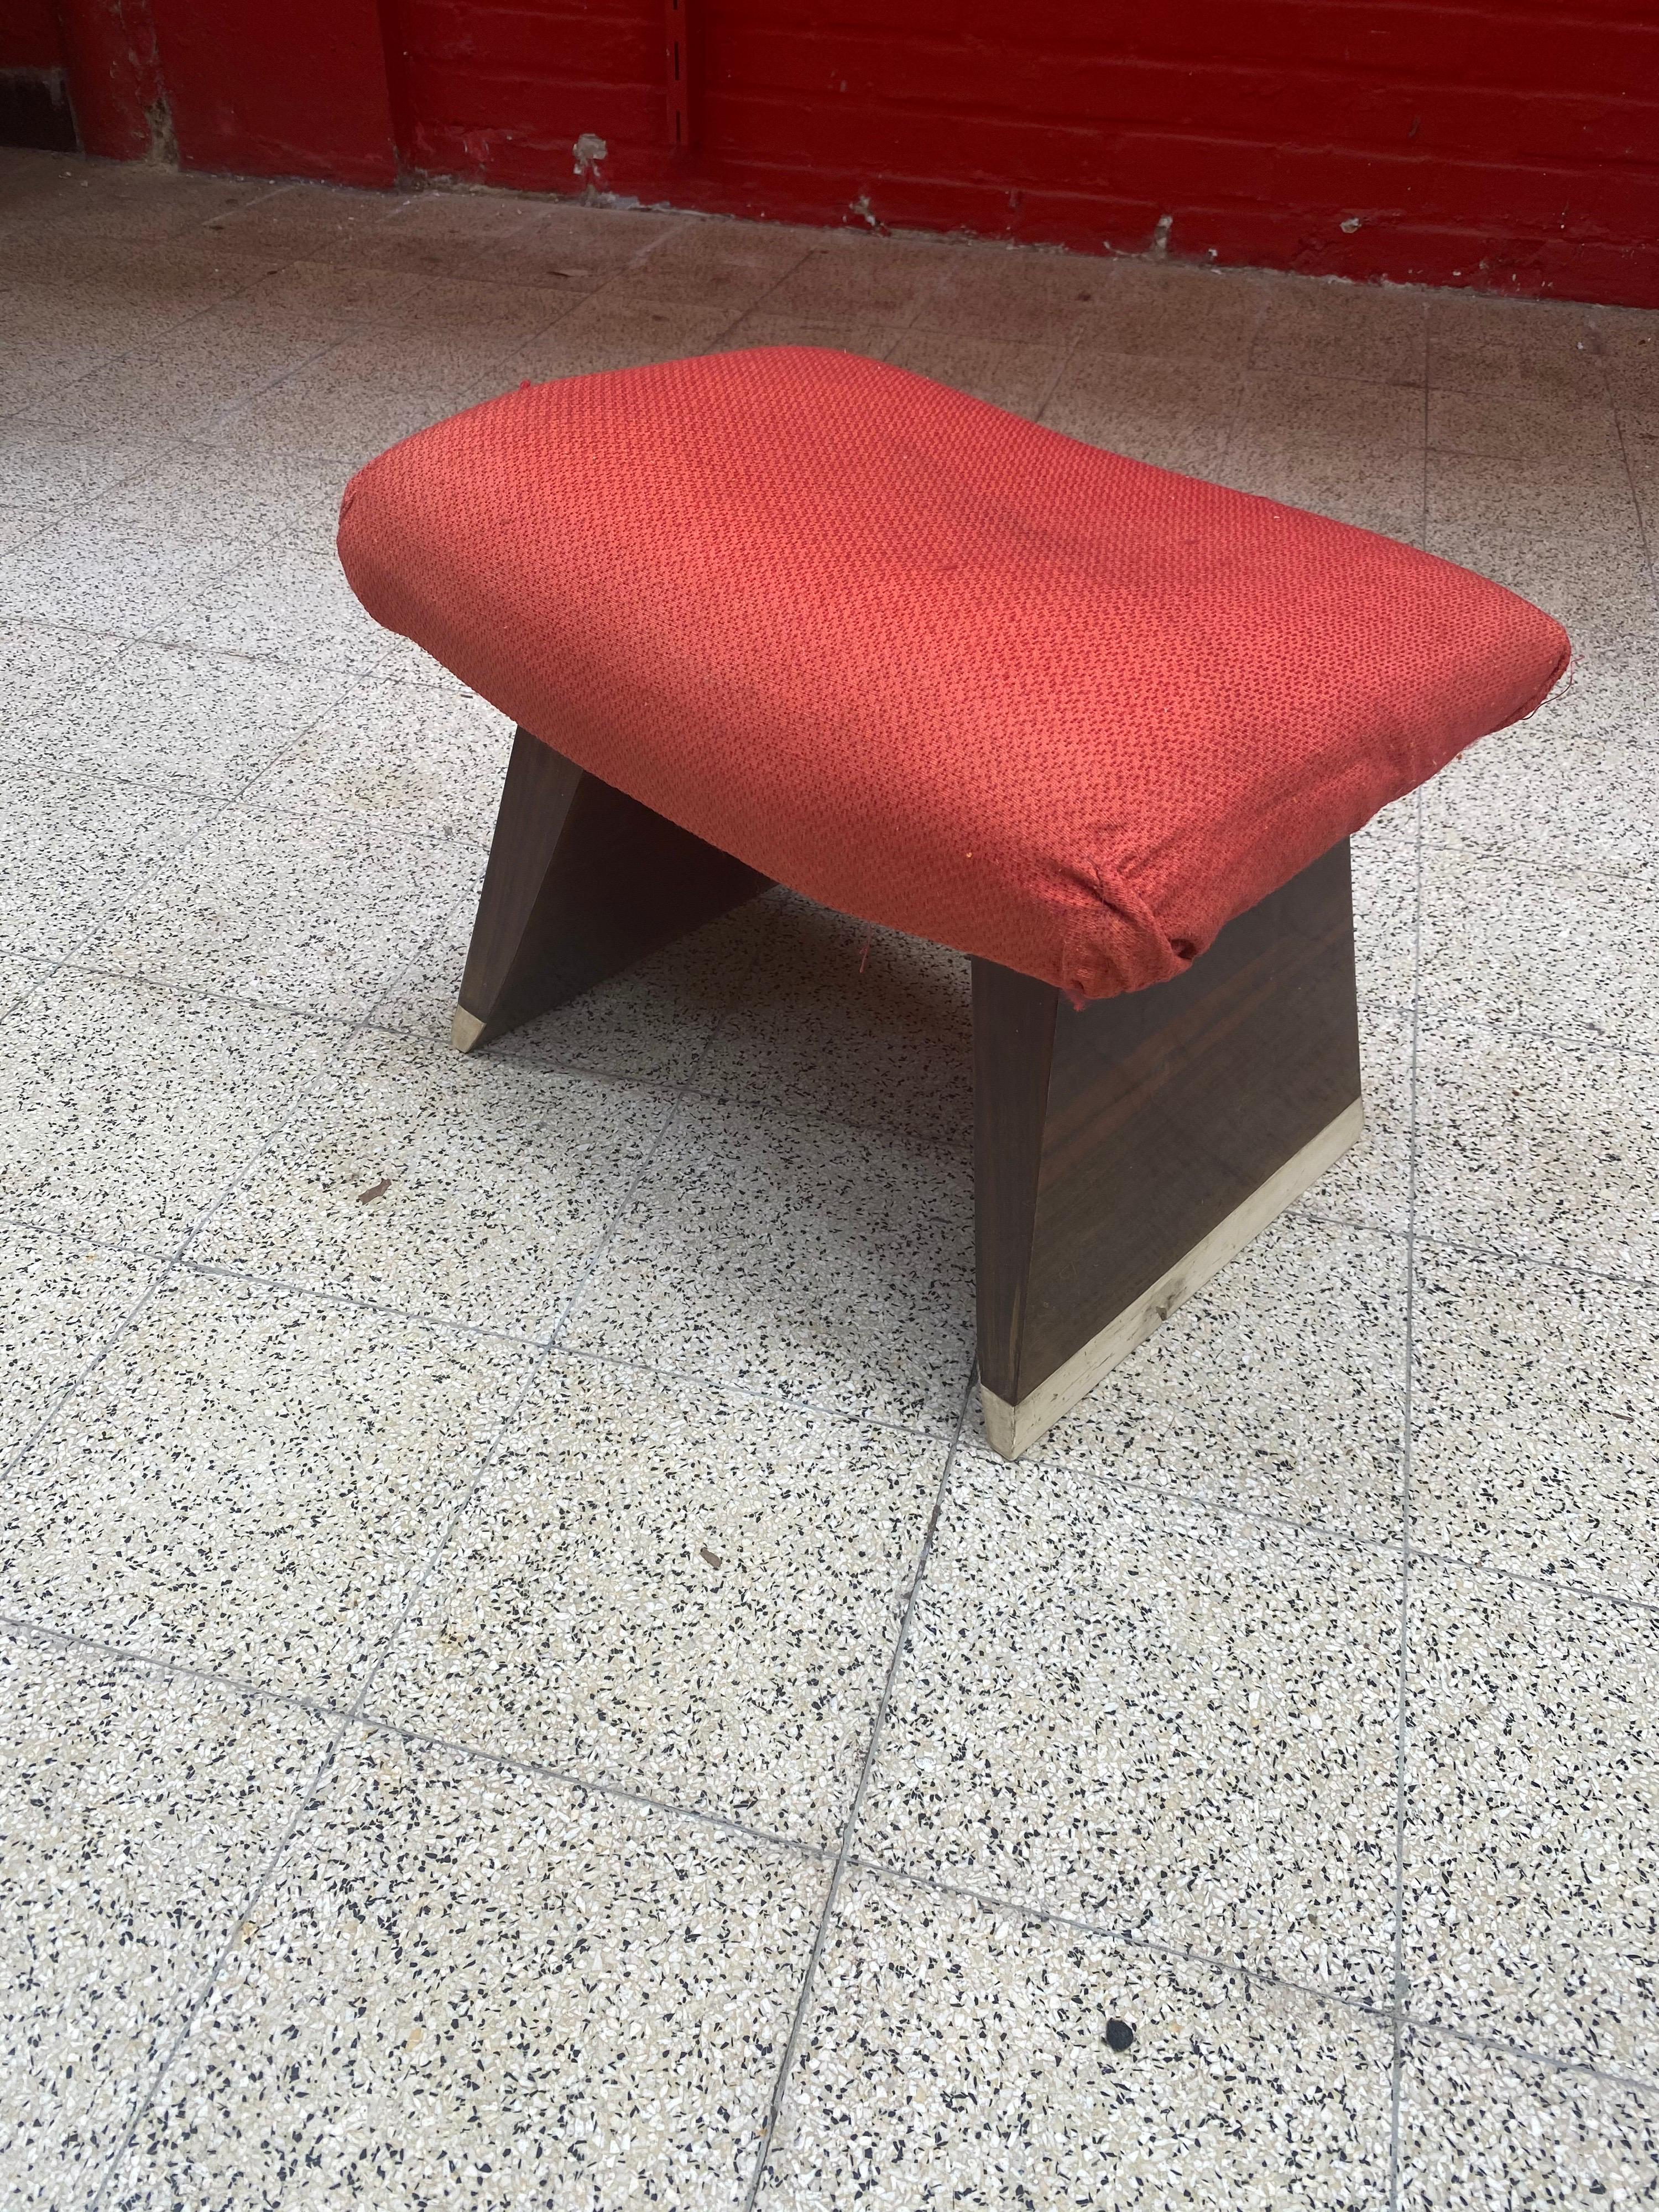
<point x="522" y="1683"/>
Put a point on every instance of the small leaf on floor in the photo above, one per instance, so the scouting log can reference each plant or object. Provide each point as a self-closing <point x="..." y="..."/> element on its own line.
<point x="376" y="1190"/>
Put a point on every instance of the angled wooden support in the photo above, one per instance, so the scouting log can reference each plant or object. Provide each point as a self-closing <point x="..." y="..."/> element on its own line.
<point x="1125" y="1153"/>
<point x="581" y="881"/>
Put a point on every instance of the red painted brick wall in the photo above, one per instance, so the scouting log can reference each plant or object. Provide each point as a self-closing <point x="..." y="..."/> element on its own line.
<point x="29" y="35"/>
<point x="1512" y="143"/>
<point x="294" y="89"/>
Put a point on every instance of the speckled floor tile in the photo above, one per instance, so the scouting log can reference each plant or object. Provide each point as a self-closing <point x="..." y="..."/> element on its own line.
<point x="1333" y="329"/>
<point x="1166" y="1722"/>
<point x="652" y="1022"/>
<point x="465" y="1188"/>
<point x="1538" y="1149"/>
<point x="177" y="384"/>
<point x="1511" y="426"/>
<point x="1611" y="690"/>
<point x="93" y="576"/>
<point x="1384" y="858"/>
<point x="1545" y="350"/>
<point x="1529" y="1859"/>
<point x="136" y="201"/>
<point x="1536" y="1417"/>
<point x="252" y="498"/>
<point x="324" y="408"/>
<point x="333" y="299"/>
<point x="60" y="474"/>
<point x="194" y="721"/>
<point x="127" y="1110"/>
<point x="851" y="1022"/>
<point x="687" y="1592"/>
<point x="1523" y="947"/>
<point x="475" y="1988"/>
<point x="561" y="244"/>
<point x="1370" y="1184"/>
<point x="710" y="264"/>
<point x="1585" y="808"/>
<point x="762" y="327"/>
<point x="600" y="333"/>
<point x="1329" y="415"/>
<point x="1627" y="340"/>
<point x="32" y="373"/>
<point x="284" y="220"/>
<point x="73" y="847"/>
<point x="1567" y="494"/>
<point x="18" y="973"/>
<point x="60" y="1304"/>
<point x="107" y="279"/>
<point x="138" y="1811"/>
<point x="852" y="280"/>
<point x="42" y="669"/>
<point x="1598" y="588"/>
<point x="956" y="2055"/>
<point x="250" y="1481"/>
<point x="1480" y="2131"/>
<point x="1038" y="298"/>
<point x="293" y="603"/>
<point x="1383" y="493"/>
<point x="827" y="1264"/>
<point x="1176" y="414"/>
<point x="317" y="911"/>
<point x="1013" y="373"/>
<point x="1278" y="1389"/>
<point x="1138" y="308"/>
<point x="398" y="751"/>
<point x="426" y="230"/>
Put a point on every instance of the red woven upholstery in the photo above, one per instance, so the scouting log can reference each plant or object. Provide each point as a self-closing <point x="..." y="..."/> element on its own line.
<point x="929" y="663"/>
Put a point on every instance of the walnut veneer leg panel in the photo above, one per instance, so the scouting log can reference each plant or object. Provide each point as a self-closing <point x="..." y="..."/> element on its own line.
<point x="1125" y="1153"/>
<point x="581" y="882"/>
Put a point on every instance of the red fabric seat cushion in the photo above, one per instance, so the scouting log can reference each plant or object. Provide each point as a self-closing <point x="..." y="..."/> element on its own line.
<point x="930" y="663"/>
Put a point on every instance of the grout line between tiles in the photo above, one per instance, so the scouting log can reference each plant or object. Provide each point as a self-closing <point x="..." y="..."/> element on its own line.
<point x="593" y="1782"/>
<point x="351" y="1716"/>
<point x="1144" y="1496"/>
<point x="797" y="2025"/>
<point x="1399" y="1986"/>
<point x="1010" y="1909"/>
<point x="604" y="1786"/>
<point x="598" y="1784"/>
<point x="1636" y="499"/>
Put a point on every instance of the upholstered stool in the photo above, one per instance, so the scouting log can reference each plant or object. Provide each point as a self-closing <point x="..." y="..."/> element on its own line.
<point x="794" y="616"/>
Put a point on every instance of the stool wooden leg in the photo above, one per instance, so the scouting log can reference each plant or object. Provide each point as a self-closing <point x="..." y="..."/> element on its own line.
<point x="1125" y="1153"/>
<point x="581" y="881"/>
